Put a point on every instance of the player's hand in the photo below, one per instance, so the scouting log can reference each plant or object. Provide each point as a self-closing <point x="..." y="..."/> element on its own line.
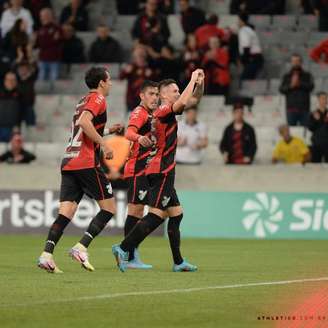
<point x="116" y="128"/>
<point x="316" y="115"/>
<point x="225" y="157"/>
<point x="195" y="74"/>
<point x="145" y="141"/>
<point x="108" y="152"/>
<point x="247" y="159"/>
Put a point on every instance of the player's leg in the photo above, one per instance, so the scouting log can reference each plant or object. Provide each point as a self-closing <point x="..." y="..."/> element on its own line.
<point x="97" y="186"/>
<point x="148" y="223"/>
<point x="137" y="198"/>
<point x="70" y="195"/>
<point x="175" y="214"/>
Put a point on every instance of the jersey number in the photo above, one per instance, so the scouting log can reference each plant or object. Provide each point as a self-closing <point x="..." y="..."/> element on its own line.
<point x="74" y="139"/>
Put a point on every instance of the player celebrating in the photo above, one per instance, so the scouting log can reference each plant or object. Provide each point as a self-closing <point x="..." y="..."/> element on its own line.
<point x="138" y="132"/>
<point x="81" y="173"/>
<point x="160" y="172"/>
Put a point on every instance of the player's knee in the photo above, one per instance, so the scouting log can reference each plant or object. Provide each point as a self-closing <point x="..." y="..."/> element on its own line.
<point x="68" y="209"/>
<point x="136" y="210"/>
<point x="157" y="212"/>
<point x="108" y="205"/>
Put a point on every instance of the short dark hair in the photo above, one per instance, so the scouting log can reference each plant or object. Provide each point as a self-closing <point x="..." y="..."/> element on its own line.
<point x="212" y="19"/>
<point x="165" y="83"/>
<point x="94" y="75"/>
<point x="322" y="93"/>
<point x="295" y="54"/>
<point x="237" y="106"/>
<point x="148" y="84"/>
<point x="244" y="17"/>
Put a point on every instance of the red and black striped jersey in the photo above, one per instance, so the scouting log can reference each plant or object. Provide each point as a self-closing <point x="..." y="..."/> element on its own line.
<point x="81" y="152"/>
<point x="141" y="119"/>
<point x="164" y="133"/>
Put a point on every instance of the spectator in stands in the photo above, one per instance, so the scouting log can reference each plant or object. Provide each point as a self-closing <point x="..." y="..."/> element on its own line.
<point x="27" y="75"/>
<point x="17" y="154"/>
<point x="290" y="150"/>
<point x="150" y="27"/>
<point x="192" y="138"/>
<point x="9" y="106"/>
<point x="297" y="85"/>
<point x="10" y="15"/>
<point x="16" y="38"/>
<point x="136" y="72"/>
<point x="73" y="47"/>
<point x="318" y="125"/>
<point x="320" y="53"/>
<point x="166" y="63"/>
<point x="191" y="58"/>
<point x="307" y="6"/>
<point x="321" y="11"/>
<point x="216" y="65"/>
<point x="191" y="17"/>
<point x="250" y="50"/>
<point x="105" y="49"/>
<point x="50" y="42"/>
<point x="75" y="14"/>
<point x="257" y="7"/>
<point x="238" y="144"/>
<point x="127" y="7"/>
<point x="210" y="29"/>
<point x="35" y="6"/>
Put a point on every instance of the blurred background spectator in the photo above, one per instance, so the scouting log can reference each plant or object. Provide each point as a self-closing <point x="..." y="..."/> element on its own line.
<point x="17" y="154"/>
<point x="105" y="49"/>
<point x="250" y="50"/>
<point x="73" y="47"/>
<point x="238" y="144"/>
<point x="136" y="72"/>
<point x="35" y="6"/>
<point x="216" y="65"/>
<point x="257" y="7"/>
<point x="191" y="17"/>
<point x="297" y="85"/>
<point x="9" y="106"/>
<point x="14" y="12"/>
<point x="290" y="149"/>
<point x="320" y="53"/>
<point x="50" y="42"/>
<point x="150" y="27"/>
<point x="321" y="11"/>
<point x="192" y="138"/>
<point x="75" y="14"/>
<point x="127" y="7"/>
<point x="318" y="125"/>
<point x="208" y="30"/>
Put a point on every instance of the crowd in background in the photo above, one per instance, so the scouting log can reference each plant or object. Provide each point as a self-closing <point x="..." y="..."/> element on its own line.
<point x="34" y="43"/>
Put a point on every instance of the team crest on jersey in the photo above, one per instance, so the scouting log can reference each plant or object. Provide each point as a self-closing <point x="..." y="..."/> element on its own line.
<point x="142" y="194"/>
<point x="109" y="188"/>
<point x="165" y="201"/>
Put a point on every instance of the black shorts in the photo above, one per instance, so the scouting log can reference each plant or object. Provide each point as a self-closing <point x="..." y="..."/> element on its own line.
<point x="138" y="190"/>
<point x="162" y="193"/>
<point x="92" y="182"/>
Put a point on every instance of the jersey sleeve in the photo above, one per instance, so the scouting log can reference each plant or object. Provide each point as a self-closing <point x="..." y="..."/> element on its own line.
<point x="95" y="105"/>
<point x="164" y="111"/>
<point x="137" y="118"/>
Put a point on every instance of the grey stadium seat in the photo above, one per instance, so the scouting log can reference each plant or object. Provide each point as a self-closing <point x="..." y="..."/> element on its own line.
<point x="319" y="70"/>
<point x="284" y="22"/>
<point x="269" y="38"/>
<point x="261" y="22"/>
<point x="253" y="88"/>
<point x="307" y="23"/>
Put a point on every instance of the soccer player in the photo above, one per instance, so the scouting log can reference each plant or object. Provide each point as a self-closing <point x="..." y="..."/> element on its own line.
<point x="81" y="173"/>
<point x="138" y="132"/>
<point x="160" y="172"/>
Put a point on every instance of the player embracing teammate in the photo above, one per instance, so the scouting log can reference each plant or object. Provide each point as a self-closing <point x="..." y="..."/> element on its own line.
<point x="160" y="171"/>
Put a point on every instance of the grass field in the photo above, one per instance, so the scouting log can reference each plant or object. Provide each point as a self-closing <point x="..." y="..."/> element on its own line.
<point x="109" y="298"/>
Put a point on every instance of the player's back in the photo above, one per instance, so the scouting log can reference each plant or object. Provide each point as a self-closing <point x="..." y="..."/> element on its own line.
<point x="164" y="133"/>
<point x="81" y="152"/>
<point x="141" y="119"/>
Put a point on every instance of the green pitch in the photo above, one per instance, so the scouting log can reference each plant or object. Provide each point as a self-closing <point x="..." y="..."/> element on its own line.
<point x="108" y="298"/>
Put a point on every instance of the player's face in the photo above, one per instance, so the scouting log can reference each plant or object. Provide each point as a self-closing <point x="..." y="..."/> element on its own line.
<point x="106" y="85"/>
<point x="150" y="98"/>
<point x="323" y="101"/>
<point x="170" y="93"/>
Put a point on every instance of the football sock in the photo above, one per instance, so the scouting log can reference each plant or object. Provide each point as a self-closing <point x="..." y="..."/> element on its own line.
<point x="173" y="231"/>
<point x="55" y="232"/>
<point x="97" y="224"/>
<point x="142" y="229"/>
<point x="130" y="223"/>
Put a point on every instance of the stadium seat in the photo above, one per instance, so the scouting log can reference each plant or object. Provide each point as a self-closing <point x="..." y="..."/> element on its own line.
<point x="318" y="85"/>
<point x="228" y="21"/>
<point x="284" y="22"/>
<point x="219" y="7"/>
<point x="261" y="22"/>
<point x="87" y="38"/>
<point x="49" y="151"/>
<point x="45" y="106"/>
<point x="289" y="38"/>
<point x="316" y="37"/>
<point x="307" y="23"/>
<point x="319" y="70"/>
<point x="251" y="88"/>
<point x="212" y="104"/>
<point x="39" y="134"/>
<point x="269" y="38"/>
